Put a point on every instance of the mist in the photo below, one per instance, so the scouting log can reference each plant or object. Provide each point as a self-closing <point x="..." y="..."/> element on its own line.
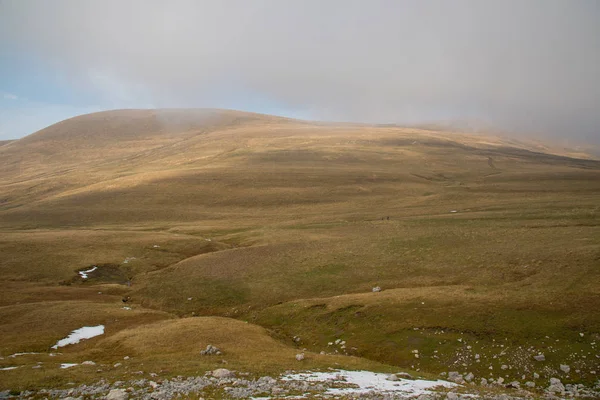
<point x="520" y="66"/>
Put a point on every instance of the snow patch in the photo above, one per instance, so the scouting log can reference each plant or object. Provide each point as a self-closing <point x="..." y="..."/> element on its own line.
<point x="67" y="365"/>
<point x="8" y="368"/>
<point x="454" y="211"/>
<point x="84" y="274"/>
<point x="366" y="381"/>
<point x="87" y="332"/>
<point x="20" y="354"/>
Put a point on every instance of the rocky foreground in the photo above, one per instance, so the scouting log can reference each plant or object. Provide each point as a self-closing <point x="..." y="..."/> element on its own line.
<point x="334" y="384"/>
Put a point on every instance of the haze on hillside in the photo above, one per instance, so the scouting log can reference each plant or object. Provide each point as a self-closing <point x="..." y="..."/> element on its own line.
<point x="528" y="67"/>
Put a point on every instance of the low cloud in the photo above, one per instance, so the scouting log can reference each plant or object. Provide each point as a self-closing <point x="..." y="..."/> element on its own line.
<point x="9" y="96"/>
<point x="516" y="65"/>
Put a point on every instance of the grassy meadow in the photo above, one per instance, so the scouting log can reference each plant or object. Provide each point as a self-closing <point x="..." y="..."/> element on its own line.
<point x="246" y="231"/>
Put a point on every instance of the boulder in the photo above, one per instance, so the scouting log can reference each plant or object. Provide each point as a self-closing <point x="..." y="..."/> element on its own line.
<point x="223" y="373"/>
<point x="539" y="357"/>
<point x="565" y="368"/>
<point x="556" y="386"/>
<point x="376" y="289"/>
<point x="117" y="394"/>
<point x="300" y="356"/>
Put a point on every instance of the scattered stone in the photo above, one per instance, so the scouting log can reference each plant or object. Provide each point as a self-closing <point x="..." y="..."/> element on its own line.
<point x="88" y="363"/>
<point x="300" y="356"/>
<point x="536" y="375"/>
<point x="376" y="289"/>
<point x="117" y="394"/>
<point x="530" y="384"/>
<point x="539" y="357"/>
<point x="469" y="377"/>
<point x="451" y="396"/>
<point x="117" y="365"/>
<point x="483" y="382"/>
<point x="211" y="351"/>
<point x="404" y="375"/>
<point x="392" y="377"/>
<point x="565" y="368"/>
<point x="500" y="381"/>
<point x="504" y="367"/>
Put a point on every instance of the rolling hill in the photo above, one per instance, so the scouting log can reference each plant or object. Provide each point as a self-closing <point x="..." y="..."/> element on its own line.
<point x="486" y="249"/>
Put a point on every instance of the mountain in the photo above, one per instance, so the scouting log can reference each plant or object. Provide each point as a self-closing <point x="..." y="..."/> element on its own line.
<point x="280" y="229"/>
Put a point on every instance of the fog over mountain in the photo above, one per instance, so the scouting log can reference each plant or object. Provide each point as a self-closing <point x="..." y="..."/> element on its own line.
<point x="513" y="65"/>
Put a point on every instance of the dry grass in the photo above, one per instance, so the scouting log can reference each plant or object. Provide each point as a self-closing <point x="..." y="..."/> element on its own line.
<point x="279" y="222"/>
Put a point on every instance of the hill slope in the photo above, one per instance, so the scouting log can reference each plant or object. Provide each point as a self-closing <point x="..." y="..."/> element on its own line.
<point x="290" y="224"/>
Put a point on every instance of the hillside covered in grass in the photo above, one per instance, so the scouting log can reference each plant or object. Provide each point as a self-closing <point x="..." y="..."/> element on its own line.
<point x="265" y="236"/>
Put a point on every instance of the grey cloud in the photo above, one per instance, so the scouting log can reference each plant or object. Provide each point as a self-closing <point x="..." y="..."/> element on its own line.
<point x="519" y="65"/>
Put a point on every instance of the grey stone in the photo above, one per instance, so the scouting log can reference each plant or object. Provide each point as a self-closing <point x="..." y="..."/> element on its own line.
<point x="451" y="396"/>
<point x="530" y="384"/>
<point x="539" y="357"/>
<point x="376" y="289"/>
<point x="300" y="356"/>
<point x="556" y="386"/>
<point x="565" y="368"/>
<point x="117" y="394"/>
<point x="211" y="351"/>
<point x="223" y="373"/>
<point x="469" y="377"/>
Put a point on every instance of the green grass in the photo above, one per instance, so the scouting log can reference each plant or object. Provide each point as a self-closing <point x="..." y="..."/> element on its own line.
<point x="284" y="225"/>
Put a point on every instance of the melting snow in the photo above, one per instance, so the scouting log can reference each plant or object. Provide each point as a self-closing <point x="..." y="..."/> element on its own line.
<point x="453" y="211"/>
<point x="84" y="273"/>
<point x="8" y="368"/>
<point x="366" y="381"/>
<point x="86" y="332"/>
<point x="67" y="365"/>
<point x="20" y="354"/>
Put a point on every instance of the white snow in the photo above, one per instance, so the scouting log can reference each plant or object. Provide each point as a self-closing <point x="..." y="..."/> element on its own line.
<point x="86" y="332"/>
<point x="8" y="368"/>
<point x="366" y="381"/>
<point x="20" y="354"/>
<point x="453" y="211"/>
<point x="84" y="273"/>
<point x="67" y="365"/>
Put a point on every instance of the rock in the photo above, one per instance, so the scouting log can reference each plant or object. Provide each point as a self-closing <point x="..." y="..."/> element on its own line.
<point x="211" y="351"/>
<point x="88" y="363"/>
<point x="454" y="376"/>
<point x="514" y="385"/>
<point x="223" y="373"/>
<point x="539" y="357"/>
<point x="153" y="384"/>
<point x="536" y="375"/>
<point x="469" y="377"/>
<point x="504" y="367"/>
<point x="392" y="377"/>
<point x="404" y="375"/>
<point x="500" y="381"/>
<point x="530" y="384"/>
<point x="117" y="394"/>
<point x="565" y="368"/>
<point x="556" y="386"/>
<point x="483" y="382"/>
<point x="451" y="396"/>
<point x="376" y="289"/>
<point x="117" y="365"/>
<point x="300" y="356"/>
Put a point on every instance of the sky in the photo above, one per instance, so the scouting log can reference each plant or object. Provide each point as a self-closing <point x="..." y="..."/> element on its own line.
<point x="527" y="66"/>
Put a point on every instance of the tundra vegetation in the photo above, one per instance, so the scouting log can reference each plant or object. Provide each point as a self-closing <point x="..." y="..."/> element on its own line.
<point x="266" y="237"/>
